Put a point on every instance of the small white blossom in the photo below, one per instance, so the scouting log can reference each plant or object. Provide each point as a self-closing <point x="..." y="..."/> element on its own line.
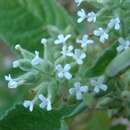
<point x="123" y="45"/>
<point x="29" y="104"/>
<point x="91" y="17"/>
<point x="43" y="41"/>
<point x="16" y="64"/>
<point x="102" y="34"/>
<point x="36" y="60"/>
<point x="12" y="83"/>
<point x="82" y="15"/>
<point x="78" y="90"/>
<point x="17" y="46"/>
<point x="79" y="55"/>
<point x="85" y="41"/>
<point x="45" y="102"/>
<point x="61" y="39"/>
<point x="63" y="71"/>
<point x="98" y="84"/>
<point x="78" y="2"/>
<point x="67" y="50"/>
<point x="114" y="23"/>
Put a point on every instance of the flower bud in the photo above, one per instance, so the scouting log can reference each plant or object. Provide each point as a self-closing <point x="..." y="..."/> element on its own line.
<point x="23" y="64"/>
<point x="25" y="53"/>
<point x="43" y="41"/>
<point x="15" y="64"/>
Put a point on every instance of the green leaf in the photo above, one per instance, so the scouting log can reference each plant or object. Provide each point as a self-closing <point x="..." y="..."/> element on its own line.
<point x="9" y="99"/>
<point x="119" y="64"/>
<point x="101" y="63"/>
<point x="25" y="22"/>
<point x="99" y="121"/>
<point x="22" y="119"/>
<point x="79" y="108"/>
<point x="119" y="127"/>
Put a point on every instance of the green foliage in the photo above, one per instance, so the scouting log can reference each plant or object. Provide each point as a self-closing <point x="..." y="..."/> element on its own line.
<point x="21" y="119"/>
<point x="119" y="64"/>
<point x="101" y="63"/>
<point x="26" y="22"/>
<point x="9" y="100"/>
<point x="119" y="127"/>
<point x="99" y="121"/>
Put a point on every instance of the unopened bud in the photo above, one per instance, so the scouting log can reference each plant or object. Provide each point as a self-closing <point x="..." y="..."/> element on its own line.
<point x="44" y="41"/>
<point x="23" y="64"/>
<point x="15" y="64"/>
<point x="25" y="53"/>
<point x="17" y="47"/>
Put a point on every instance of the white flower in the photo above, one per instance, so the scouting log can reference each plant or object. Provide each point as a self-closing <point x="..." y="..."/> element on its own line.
<point x="102" y="34"/>
<point x="36" y="60"/>
<point x="85" y="41"/>
<point x="79" y="55"/>
<point x="114" y="23"/>
<point x="78" y="90"/>
<point x="16" y="64"/>
<point x="62" y="39"/>
<point x="17" y="46"/>
<point x="12" y="83"/>
<point x="91" y="17"/>
<point x="45" y="102"/>
<point x="29" y="104"/>
<point x="78" y="2"/>
<point x="67" y="51"/>
<point x="63" y="71"/>
<point x="98" y="84"/>
<point x="82" y="15"/>
<point x="123" y="45"/>
<point x="43" y="41"/>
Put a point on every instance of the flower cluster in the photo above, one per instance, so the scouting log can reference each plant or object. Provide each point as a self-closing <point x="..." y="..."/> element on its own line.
<point x="90" y="17"/>
<point x="45" y="103"/>
<point x="70" y="55"/>
<point x="100" y="32"/>
<point x="103" y="33"/>
<point x="61" y="71"/>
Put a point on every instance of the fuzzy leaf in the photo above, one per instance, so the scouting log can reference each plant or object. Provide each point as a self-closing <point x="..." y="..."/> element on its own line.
<point x="101" y="63"/>
<point x="119" y="64"/>
<point x="9" y="99"/>
<point x="22" y="119"/>
<point x="25" y="22"/>
<point x="99" y="121"/>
